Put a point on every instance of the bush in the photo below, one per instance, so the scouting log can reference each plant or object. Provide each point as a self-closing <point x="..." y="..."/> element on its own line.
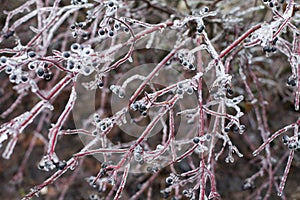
<point x="170" y="99"/>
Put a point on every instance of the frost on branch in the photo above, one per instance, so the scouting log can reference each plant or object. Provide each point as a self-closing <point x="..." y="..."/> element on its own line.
<point x="164" y="95"/>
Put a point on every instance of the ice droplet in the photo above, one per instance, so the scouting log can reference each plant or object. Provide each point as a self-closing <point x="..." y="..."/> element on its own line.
<point x="130" y="59"/>
<point x="74" y="165"/>
<point x="34" y="87"/>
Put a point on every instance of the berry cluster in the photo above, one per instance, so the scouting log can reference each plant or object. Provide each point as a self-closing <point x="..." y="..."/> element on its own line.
<point x="110" y="31"/>
<point x="270" y="48"/>
<point x="100" y="183"/>
<point x="291" y="81"/>
<point x="199" y="141"/>
<point x="172" y="179"/>
<point x="273" y="3"/>
<point x="41" y="70"/>
<point x="188" y="193"/>
<point x="111" y="7"/>
<point x="79" y="59"/>
<point x="48" y="164"/>
<point x="292" y="142"/>
<point x="109" y="26"/>
<point x="103" y="32"/>
<point x="248" y="184"/>
<point x="78" y="2"/>
<point x="13" y="67"/>
<point x="77" y="30"/>
<point x="103" y="124"/>
<point x="186" y="59"/>
<point x="152" y="170"/>
<point x="184" y="87"/>
<point x="235" y="129"/>
<point x="118" y="90"/>
<point x="138" y="154"/>
<point x="203" y="138"/>
<point x="200" y="29"/>
<point x="139" y="106"/>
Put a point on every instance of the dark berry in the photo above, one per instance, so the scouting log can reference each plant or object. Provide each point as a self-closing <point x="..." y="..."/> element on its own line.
<point x="144" y="113"/>
<point x="41" y="166"/>
<point x="75" y="46"/>
<point x="169" y="62"/>
<point x="48" y="76"/>
<point x="66" y="54"/>
<point x="13" y="77"/>
<point x="126" y="30"/>
<point x="24" y="78"/>
<point x="117" y="26"/>
<point x="8" y="69"/>
<point x="180" y="91"/>
<point x="143" y="107"/>
<point x="111" y="4"/>
<point x="75" y="34"/>
<point x="236" y="129"/>
<point x="200" y="29"/>
<point x="242" y="128"/>
<point x="40" y="72"/>
<point x="100" y="84"/>
<point x="169" y="180"/>
<point x="104" y="165"/>
<point x="101" y="32"/>
<point x="31" y="66"/>
<point x="229" y="91"/>
<point x="191" y="67"/>
<point x="291" y="82"/>
<point x="185" y="192"/>
<point x="267" y="49"/>
<point x="135" y="106"/>
<point x="226" y="129"/>
<point x="111" y="33"/>
<point x="87" y="52"/>
<point x="31" y="54"/>
<point x="87" y="70"/>
<point x="3" y="59"/>
<point x="73" y="26"/>
<point x="8" y="34"/>
<point x="85" y="35"/>
<point x="275" y="41"/>
<point x="205" y="9"/>
<point x="196" y="140"/>
<point x="185" y="63"/>
<point x="292" y="146"/>
<point x="80" y="24"/>
<point x="61" y="165"/>
<point x="285" y="139"/>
